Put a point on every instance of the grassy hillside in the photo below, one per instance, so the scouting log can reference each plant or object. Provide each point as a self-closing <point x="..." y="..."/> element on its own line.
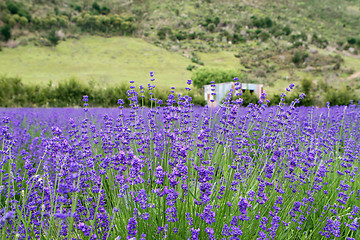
<point x="107" y="61"/>
<point x="104" y="60"/>
<point x="323" y="22"/>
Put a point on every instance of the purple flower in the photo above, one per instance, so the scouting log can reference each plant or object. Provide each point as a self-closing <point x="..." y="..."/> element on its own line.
<point x="332" y="228"/>
<point x="262" y="235"/>
<point x="194" y="234"/>
<point x="143" y="236"/>
<point x="189" y="219"/>
<point x="243" y="205"/>
<point x="210" y="232"/>
<point x="145" y="216"/>
<point x="9" y="215"/>
<point x="171" y="214"/>
<point x="234" y="221"/>
<point x="226" y="230"/>
<point x="131" y="227"/>
<point x="159" y="174"/>
<point x="207" y="215"/>
<point x="236" y="231"/>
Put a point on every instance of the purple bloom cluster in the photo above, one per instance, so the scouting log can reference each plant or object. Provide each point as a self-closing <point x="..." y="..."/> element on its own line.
<point x="177" y="171"/>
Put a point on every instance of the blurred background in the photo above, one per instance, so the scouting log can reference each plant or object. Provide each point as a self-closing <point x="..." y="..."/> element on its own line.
<point x="55" y="51"/>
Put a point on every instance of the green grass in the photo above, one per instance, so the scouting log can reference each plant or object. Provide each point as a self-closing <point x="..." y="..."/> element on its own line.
<point x="104" y="60"/>
<point x="352" y="62"/>
<point x="107" y="61"/>
<point x="224" y="59"/>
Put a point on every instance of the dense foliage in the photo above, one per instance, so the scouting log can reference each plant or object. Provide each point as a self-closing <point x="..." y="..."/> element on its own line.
<point x="205" y="76"/>
<point x="68" y="93"/>
<point x="180" y="172"/>
<point x="211" y="21"/>
<point x="233" y="22"/>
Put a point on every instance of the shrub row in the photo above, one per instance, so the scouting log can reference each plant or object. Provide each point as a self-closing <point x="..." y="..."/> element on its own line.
<point x="13" y="93"/>
<point x="261" y="28"/>
<point x="318" y="95"/>
<point x="113" y="22"/>
<point x="95" y="19"/>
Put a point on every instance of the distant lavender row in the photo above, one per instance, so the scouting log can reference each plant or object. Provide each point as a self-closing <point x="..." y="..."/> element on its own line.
<point x="179" y="172"/>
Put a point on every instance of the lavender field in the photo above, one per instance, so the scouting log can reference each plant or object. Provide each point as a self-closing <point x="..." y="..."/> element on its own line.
<point x="176" y="171"/>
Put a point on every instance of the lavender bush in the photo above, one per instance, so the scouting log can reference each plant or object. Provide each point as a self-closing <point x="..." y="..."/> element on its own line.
<point x="175" y="171"/>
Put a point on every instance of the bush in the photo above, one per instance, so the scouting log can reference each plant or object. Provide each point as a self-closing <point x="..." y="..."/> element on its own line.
<point x="17" y="8"/>
<point x="287" y="30"/>
<point x="195" y="59"/>
<point x="69" y="93"/>
<point x="78" y="8"/>
<point x="351" y="41"/>
<point x="342" y="96"/>
<point x="6" y="32"/>
<point x="274" y="99"/>
<point x="236" y="38"/>
<point x="163" y="32"/>
<point x="53" y="38"/>
<point x="192" y="35"/>
<point x="209" y="20"/>
<point x="190" y="67"/>
<point x="299" y="57"/>
<point x="204" y="76"/>
<point x="216" y="21"/>
<point x="24" y="13"/>
<point x="262" y="22"/>
<point x="23" y="21"/>
<point x="96" y="6"/>
<point x="10" y="89"/>
<point x="13" y="7"/>
<point x="181" y="35"/>
<point x="104" y="10"/>
<point x="264" y="36"/>
<point x="247" y="98"/>
<point x="211" y="27"/>
<point x="306" y="87"/>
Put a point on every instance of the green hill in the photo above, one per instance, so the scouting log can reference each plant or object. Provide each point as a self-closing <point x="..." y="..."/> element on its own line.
<point x="106" y="61"/>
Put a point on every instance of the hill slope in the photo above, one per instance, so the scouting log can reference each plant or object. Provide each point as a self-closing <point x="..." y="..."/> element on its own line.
<point x="107" y="61"/>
